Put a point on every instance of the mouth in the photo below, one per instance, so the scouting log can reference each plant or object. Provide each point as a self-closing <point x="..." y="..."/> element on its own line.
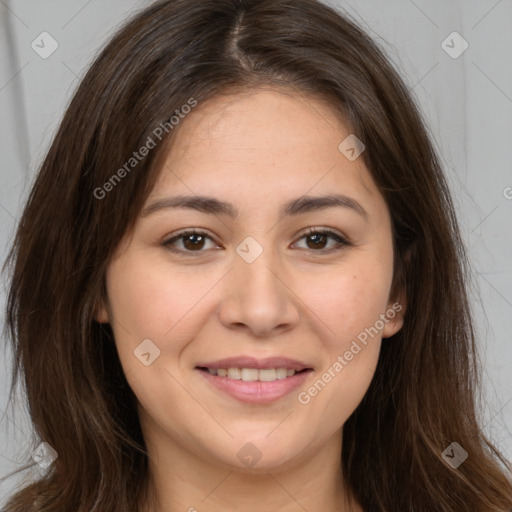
<point x="253" y="374"/>
<point x="253" y="380"/>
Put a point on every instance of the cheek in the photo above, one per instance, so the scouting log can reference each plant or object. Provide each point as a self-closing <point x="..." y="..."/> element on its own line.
<point x="147" y="303"/>
<point x="349" y="305"/>
<point x="351" y="353"/>
<point x="149" y="298"/>
<point x="348" y="300"/>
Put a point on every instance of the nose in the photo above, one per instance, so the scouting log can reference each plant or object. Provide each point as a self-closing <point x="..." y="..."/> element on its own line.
<point x="257" y="298"/>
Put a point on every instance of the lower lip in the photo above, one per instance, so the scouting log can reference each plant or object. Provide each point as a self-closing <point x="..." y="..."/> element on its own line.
<point x="256" y="391"/>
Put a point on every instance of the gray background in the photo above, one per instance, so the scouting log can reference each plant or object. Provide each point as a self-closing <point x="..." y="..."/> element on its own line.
<point x="467" y="103"/>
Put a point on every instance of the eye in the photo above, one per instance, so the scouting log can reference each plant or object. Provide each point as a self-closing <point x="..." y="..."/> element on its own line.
<point x="193" y="241"/>
<point x="317" y="239"/>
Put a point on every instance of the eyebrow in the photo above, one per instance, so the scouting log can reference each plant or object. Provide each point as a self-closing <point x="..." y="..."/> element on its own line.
<point x="211" y="205"/>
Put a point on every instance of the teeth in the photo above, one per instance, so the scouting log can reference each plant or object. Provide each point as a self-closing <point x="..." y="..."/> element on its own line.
<point x="234" y="373"/>
<point x="281" y="373"/>
<point x="268" y="375"/>
<point x="253" y="374"/>
<point x="249" y="374"/>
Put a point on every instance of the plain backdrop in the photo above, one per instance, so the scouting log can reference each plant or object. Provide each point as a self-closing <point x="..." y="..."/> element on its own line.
<point x="466" y="102"/>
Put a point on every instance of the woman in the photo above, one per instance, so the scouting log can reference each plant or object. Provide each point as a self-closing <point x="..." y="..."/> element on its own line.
<point x="239" y="283"/>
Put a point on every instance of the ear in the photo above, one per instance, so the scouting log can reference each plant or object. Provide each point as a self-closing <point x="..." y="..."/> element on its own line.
<point x="397" y="302"/>
<point x="101" y="315"/>
<point x="395" y="314"/>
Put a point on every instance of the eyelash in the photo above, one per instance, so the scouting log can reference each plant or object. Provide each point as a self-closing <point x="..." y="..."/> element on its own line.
<point x="341" y="242"/>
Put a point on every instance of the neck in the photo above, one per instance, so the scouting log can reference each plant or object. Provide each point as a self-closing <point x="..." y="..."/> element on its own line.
<point x="180" y="480"/>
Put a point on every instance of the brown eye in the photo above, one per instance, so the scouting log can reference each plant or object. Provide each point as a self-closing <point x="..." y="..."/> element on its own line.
<point x="317" y="239"/>
<point x="191" y="241"/>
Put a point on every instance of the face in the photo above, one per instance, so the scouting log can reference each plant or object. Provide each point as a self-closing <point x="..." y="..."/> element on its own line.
<point x="285" y="292"/>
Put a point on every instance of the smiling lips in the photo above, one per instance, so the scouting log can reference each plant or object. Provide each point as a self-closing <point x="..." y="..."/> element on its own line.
<point x="253" y="374"/>
<point x="249" y="379"/>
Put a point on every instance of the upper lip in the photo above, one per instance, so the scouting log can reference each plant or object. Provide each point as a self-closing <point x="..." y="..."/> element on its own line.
<point x="254" y="362"/>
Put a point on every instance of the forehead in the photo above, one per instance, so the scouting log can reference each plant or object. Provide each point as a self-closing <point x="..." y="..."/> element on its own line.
<point x="259" y="145"/>
<point x="272" y="117"/>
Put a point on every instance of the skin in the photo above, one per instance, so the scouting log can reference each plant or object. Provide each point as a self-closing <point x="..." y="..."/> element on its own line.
<point x="256" y="150"/>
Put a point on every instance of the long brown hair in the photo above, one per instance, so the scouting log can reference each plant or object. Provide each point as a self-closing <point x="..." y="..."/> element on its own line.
<point x="423" y="395"/>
